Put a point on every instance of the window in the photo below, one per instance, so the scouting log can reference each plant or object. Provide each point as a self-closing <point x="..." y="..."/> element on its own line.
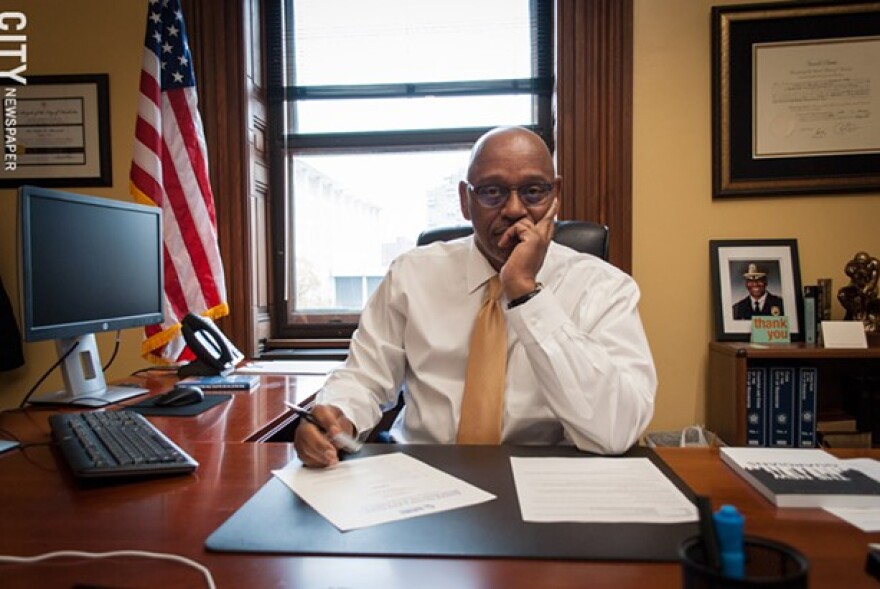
<point x="373" y="108"/>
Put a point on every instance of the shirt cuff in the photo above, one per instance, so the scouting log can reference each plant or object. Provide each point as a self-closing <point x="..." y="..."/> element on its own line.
<point x="537" y="319"/>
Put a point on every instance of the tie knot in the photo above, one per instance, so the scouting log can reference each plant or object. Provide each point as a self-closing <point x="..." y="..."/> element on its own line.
<point x="494" y="292"/>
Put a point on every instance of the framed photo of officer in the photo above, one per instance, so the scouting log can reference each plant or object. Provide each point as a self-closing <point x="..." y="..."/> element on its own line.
<point x="755" y="277"/>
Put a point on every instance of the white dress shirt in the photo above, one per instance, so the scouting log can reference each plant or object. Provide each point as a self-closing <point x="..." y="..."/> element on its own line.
<point x="579" y="367"/>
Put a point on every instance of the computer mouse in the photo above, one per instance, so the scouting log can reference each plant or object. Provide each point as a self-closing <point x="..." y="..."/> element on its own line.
<point x="180" y="396"/>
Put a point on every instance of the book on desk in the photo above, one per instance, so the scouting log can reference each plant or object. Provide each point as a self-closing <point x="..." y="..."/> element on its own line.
<point x="230" y="382"/>
<point x="806" y="477"/>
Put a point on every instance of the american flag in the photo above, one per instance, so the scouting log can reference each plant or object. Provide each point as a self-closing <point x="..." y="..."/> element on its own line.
<point x="170" y="169"/>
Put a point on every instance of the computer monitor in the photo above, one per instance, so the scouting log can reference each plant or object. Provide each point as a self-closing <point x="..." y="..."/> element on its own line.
<point x="88" y="264"/>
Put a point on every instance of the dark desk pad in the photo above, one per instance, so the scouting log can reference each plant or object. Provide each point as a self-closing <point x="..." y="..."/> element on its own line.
<point x="148" y="407"/>
<point x="276" y="520"/>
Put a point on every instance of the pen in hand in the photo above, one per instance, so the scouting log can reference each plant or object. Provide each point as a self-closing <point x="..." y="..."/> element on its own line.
<point x="342" y="439"/>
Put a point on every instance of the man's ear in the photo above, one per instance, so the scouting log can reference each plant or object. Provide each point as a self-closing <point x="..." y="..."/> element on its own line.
<point x="463" y="200"/>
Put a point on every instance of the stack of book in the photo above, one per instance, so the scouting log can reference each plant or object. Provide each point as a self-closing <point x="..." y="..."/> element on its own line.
<point x="781" y="406"/>
<point x="801" y="477"/>
<point x="817" y="308"/>
<point x="841" y="431"/>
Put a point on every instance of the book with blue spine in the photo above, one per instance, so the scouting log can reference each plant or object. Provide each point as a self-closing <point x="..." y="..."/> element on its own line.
<point x="756" y="401"/>
<point x="239" y="382"/>
<point x="782" y="406"/>
<point x="807" y="379"/>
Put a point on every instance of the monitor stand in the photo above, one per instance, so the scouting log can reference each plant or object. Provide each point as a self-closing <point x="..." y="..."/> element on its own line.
<point x="111" y="394"/>
<point x="84" y="383"/>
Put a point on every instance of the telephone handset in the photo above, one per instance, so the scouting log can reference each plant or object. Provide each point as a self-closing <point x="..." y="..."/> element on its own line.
<point x="215" y="354"/>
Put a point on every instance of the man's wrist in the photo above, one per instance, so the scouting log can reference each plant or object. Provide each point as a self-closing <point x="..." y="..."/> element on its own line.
<point x="526" y="297"/>
<point x="517" y="287"/>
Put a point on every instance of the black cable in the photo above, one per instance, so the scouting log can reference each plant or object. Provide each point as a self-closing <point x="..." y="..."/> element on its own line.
<point x="172" y="368"/>
<point x="115" y="351"/>
<point x="47" y="373"/>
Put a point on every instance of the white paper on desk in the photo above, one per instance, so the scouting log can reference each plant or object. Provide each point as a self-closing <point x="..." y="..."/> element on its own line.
<point x="289" y="367"/>
<point x="597" y="490"/>
<point x="378" y="489"/>
<point x="866" y="519"/>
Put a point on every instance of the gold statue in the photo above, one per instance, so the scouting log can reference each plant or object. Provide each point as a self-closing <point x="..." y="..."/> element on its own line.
<point x="859" y="297"/>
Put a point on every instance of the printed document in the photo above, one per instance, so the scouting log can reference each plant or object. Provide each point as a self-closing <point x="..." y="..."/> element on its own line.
<point x="378" y="489"/>
<point x="597" y="490"/>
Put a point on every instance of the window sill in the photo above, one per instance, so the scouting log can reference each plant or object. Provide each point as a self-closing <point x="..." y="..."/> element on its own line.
<point x="305" y="350"/>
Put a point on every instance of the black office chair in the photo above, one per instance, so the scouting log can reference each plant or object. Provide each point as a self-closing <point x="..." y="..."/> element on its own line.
<point x="582" y="236"/>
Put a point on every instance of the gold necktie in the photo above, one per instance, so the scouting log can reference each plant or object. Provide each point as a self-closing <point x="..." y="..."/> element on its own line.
<point x="483" y="398"/>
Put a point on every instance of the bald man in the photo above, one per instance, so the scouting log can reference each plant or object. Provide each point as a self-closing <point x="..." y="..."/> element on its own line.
<point x="579" y="369"/>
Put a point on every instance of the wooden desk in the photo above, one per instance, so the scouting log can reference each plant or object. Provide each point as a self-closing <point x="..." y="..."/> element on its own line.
<point x="42" y="509"/>
<point x="247" y="417"/>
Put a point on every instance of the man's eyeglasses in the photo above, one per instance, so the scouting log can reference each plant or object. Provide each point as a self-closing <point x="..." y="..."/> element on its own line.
<point x="532" y="194"/>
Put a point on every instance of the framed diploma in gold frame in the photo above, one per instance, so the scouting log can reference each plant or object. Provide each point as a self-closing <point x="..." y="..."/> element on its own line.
<point x="795" y="98"/>
<point x="56" y="131"/>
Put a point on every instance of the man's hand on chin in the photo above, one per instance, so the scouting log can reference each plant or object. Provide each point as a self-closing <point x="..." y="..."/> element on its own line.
<point x="518" y="275"/>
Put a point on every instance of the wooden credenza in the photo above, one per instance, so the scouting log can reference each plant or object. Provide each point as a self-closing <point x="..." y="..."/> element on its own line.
<point x="841" y="377"/>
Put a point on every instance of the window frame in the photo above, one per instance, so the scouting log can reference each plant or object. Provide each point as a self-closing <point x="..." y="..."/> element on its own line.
<point x="283" y="145"/>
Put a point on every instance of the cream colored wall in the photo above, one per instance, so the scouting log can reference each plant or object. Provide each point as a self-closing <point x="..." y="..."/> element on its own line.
<point x="675" y="216"/>
<point x="83" y="37"/>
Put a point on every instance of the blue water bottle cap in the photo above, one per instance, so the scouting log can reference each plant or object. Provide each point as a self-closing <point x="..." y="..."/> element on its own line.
<point x="729" y="526"/>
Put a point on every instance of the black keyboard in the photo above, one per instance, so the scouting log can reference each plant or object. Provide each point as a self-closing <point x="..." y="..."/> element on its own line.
<point x="110" y="444"/>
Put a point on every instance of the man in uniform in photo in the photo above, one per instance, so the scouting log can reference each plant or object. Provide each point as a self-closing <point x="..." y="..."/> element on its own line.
<point x="759" y="301"/>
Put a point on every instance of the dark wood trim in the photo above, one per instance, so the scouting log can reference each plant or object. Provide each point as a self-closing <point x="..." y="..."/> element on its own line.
<point x="540" y="86"/>
<point x="594" y="116"/>
<point x="217" y="41"/>
<point x="388" y="139"/>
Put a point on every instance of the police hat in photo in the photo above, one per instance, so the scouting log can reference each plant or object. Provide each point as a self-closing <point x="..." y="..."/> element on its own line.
<point x="755" y="272"/>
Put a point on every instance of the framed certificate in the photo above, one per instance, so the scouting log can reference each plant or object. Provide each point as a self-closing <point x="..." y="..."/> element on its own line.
<point x="56" y="132"/>
<point x="796" y="98"/>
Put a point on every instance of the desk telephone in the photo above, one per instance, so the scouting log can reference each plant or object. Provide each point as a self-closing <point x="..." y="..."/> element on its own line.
<point x="215" y="354"/>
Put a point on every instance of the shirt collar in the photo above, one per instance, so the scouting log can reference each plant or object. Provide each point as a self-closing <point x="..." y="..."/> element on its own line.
<point x="478" y="269"/>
